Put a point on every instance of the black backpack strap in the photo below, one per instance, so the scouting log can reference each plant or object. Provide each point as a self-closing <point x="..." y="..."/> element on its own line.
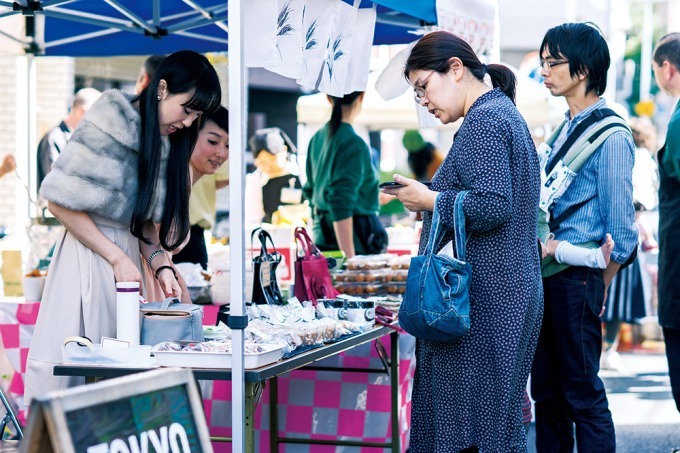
<point x="555" y="223"/>
<point x="593" y="118"/>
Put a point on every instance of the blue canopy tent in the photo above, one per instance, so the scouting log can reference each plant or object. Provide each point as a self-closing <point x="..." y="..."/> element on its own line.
<point x="80" y="28"/>
<point x="98" y="28"/>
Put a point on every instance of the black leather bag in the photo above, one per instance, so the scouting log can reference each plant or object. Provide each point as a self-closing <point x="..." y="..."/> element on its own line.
<point x="371" y="233"/>
<point x="265" y="286"/>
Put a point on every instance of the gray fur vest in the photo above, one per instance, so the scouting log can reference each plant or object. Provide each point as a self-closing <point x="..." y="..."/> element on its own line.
<point x="97" y="172"/>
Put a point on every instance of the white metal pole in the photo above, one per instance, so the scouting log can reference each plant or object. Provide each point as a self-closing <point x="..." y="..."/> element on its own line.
<point x="237" y="112"/>
<point x="646" y="53"/>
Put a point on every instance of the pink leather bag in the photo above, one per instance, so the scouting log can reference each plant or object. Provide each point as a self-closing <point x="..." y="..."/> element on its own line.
<point x="312" y="277"/>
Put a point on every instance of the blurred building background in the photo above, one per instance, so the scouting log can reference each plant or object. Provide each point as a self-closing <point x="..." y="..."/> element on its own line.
<point x="631" y="28"/>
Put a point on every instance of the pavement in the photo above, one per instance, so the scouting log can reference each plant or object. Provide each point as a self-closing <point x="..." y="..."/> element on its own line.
<point x="644" y="413"/>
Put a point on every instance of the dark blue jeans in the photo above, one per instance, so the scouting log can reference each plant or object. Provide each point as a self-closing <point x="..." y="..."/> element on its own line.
<point x="672" y="339"/>
<point x="564" y="381"/>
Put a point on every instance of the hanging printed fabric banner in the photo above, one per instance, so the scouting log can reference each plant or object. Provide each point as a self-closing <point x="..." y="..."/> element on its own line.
<point x="318" y="21"/>
<point x="360" y="52"/>
<point x="475" y="22"/>
<point x="259" y="33"/>
<point x="338" y="52"/>
<point x="289" y="39"/>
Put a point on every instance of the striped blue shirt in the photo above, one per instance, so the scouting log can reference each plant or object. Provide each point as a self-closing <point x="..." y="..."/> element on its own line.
<point x="605" y="179"/>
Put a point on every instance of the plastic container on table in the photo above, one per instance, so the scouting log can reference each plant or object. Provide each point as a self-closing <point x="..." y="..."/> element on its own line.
<point x="81" y="351"/>
<point x="218" y="360"/>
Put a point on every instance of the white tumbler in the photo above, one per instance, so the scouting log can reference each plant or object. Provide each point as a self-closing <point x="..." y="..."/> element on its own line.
<point x="127" y="312"/>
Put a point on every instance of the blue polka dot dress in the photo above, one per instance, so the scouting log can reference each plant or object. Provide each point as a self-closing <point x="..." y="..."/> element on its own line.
<point x="469" y="392"/>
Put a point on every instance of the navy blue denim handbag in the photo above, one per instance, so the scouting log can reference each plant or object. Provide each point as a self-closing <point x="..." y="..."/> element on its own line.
<point x="436" y="303"/>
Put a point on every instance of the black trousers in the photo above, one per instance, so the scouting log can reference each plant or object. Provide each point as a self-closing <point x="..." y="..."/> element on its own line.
<point x="672" y="339"/>
<point x="195" y="251"/>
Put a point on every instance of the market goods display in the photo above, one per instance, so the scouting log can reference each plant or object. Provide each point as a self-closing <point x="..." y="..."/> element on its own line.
<point x="288" y="329"/>
<point x="373" y="276"/>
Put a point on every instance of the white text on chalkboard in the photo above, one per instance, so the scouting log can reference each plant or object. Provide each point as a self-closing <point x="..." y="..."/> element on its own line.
<point x="167" y="440"/>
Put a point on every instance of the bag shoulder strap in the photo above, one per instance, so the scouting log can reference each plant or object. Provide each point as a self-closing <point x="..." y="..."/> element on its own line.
<point x="264" y="236"/>
<point x="302" y="238"/>
<point x="591" y="141"/>
<point x="556" y="133"/>
<point x="590" y="145"/>
<point x="437" y="230"/>
<point x="594" y="117"/>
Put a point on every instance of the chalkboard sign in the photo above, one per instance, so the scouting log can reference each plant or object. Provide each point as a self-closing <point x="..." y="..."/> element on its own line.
<point x="156" y="411"/>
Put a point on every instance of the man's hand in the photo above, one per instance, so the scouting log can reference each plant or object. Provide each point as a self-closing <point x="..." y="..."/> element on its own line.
<point x="8" y="165"/>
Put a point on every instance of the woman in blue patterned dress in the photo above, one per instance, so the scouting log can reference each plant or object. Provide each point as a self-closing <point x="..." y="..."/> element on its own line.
<point x="467" y="394"/>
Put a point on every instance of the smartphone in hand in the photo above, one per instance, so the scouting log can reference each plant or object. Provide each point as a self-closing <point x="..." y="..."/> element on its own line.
<point x="390" y="185"/>
<point x="396" y="185"/>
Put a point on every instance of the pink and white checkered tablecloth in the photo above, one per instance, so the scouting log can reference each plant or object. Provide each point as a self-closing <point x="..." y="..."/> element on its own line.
<point x="17" y="320"/>
<point x="322" y="404"/>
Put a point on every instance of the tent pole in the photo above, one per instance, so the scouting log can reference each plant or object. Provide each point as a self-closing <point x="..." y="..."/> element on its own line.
<point x="31" y="140"/>
<point x="237" y="84"/>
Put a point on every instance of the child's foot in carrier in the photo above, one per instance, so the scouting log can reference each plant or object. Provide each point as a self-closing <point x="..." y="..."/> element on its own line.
<point x="607" y="248"/>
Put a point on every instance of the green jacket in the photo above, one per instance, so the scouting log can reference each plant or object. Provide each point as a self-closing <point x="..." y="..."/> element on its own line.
<point x="341" y="179"/>
<point x="671" y="158"/>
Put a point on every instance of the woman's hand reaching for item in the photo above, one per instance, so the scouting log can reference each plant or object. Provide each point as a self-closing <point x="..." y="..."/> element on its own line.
<point x="124" y="270"/>
<point x="168" y="282"/>
<point x="414" y="195"/>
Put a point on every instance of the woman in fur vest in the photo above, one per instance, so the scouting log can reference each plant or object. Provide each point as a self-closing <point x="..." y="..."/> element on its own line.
<point x="125" y="168"/>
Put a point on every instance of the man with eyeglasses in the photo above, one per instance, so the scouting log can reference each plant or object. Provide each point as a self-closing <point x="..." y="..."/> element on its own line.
<point x="598" y="200"/>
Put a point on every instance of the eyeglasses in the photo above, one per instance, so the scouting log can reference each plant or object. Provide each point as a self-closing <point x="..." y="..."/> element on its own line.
<point x="420" y="89"/>
<point x="547" y="65"/>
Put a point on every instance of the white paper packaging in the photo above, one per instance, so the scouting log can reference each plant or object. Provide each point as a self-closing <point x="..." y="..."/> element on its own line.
<point x="127" y="312"/>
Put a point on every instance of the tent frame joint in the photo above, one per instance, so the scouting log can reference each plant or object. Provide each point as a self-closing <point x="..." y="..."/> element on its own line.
<point x="158" y="33"/>
<point x="30" y="8"/>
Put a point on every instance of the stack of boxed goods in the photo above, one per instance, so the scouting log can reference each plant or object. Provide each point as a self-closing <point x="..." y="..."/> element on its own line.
<point x="381" y="278"/>
<point x="396" y="275"/>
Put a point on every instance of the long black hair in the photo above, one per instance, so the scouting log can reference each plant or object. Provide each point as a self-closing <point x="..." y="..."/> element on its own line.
<point x="435" y="50"/>
<point x="183" y="72"/>
<point x="336" y="115"/>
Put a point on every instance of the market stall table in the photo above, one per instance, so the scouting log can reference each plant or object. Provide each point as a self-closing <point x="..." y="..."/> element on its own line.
<point x="256" y="379"/>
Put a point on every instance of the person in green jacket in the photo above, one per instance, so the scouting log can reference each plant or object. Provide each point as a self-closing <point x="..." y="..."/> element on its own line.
<point x="666" y="66"/>
<point x="342" y="184"/>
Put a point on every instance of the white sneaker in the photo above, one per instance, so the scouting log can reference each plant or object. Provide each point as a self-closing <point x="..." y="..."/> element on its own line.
<point x="611" y="360"/>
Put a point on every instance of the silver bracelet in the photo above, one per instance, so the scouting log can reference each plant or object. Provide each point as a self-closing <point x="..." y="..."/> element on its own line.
<point x="152" y="256"/>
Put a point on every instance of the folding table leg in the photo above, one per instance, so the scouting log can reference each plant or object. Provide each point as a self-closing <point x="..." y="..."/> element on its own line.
<point x="253" y="390"/>
<point x="274" y="415"/>
<point x="394" y="387"/>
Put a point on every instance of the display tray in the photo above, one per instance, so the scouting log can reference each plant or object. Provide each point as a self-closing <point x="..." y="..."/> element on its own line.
<point x="217" y="360"/>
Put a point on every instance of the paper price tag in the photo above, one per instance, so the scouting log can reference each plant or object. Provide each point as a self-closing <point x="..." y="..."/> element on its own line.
<point x="265" y="273"/>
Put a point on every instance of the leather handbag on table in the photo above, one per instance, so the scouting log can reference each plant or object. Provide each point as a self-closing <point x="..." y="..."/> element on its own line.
<point x="436" y="304"/>
<point x="265" y="286"/>
<point x="371" y="233"/>
<point x="312" y="277"/>
<point x="170" y="320"/>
